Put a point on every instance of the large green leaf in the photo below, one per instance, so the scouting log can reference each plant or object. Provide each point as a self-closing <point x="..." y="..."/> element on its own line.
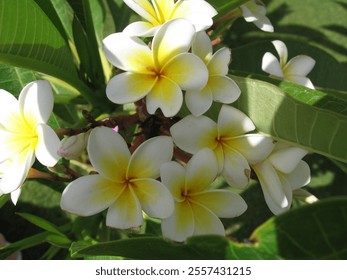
<point x="295" y="114"/>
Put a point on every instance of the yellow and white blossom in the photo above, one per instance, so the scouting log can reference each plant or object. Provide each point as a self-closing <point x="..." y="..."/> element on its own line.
<point x="158" y="12"/>
<point x="227" y="138"/>
<point x="160" y="73"/>
<point x="24" y="134"/>
<point x="281" y="173"/>
<point x="197" y="208"/>
<point x="219" y="87"/>
<point x="125" y="184"/>
<point x="294" y="70"/>
<point x="72" y="147"/>
<point x="255" y="11"/>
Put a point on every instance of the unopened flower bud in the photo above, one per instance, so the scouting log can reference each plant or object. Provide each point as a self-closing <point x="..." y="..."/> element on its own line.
<point x="72" y="147"/>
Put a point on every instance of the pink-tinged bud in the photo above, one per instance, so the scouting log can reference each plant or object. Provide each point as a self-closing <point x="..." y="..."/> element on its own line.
<point x="72" y="147"/>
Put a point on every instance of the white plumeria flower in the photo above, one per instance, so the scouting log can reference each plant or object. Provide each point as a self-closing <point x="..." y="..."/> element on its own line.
<point x="219" y="87"/>
<point x="159" y="73"/>
<point x="197" y="208"/>
<point x="72" y="147"/>
<point x="126" y="184"/>
<point x="280" y="174"/>
<point x="233" y="148"/>
<point x="295" y="70"/>
<point x="25" y="135"/>
<point x="254" y="11"/>
<point x="158" y="12"/>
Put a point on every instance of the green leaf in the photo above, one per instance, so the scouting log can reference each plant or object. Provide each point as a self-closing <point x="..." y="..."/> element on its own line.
<point x="297" y="115"/>
<point x="3" y="199"/>
<point x="223" y="6"/>
<point x="120" y="13"/>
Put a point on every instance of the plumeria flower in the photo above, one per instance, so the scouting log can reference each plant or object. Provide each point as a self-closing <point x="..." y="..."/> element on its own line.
<point x="125" y="184"/>
<point x="219" y="87"/>
<point x="159" y="73"/>
<point x="72" y="147"/>
<point x="158" y="12"/>
<point x="295" y="70"/>
<point x="281" y="173"/>
<point x="254" y="11"/>
<point x="233" y="148"/>
<point x="25" y="135"/>
<point x="197" y="208"/>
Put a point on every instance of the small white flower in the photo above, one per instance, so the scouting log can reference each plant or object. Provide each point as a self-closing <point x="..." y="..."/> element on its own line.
<point x="281" y="173"/>
<point x="197" y="208"/>
<point x="254" y="11"/>
<point x="160" y="73"/>
<point x="126" y="184"/>
<point x="158" y="12"/>
<point x="219" y="87"/>
<point x="25" y="135"/>
<point x="72" y="147"/>
<point x="227" y="138"/>
<point x="295" y="70"/>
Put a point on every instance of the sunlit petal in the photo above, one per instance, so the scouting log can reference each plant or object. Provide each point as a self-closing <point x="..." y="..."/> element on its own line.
<point x="194" y="133"/>
<point x="172" y="175"/>
<point x="108" y="153"/>
<point x="201" y="169"/>
<point x="271" y="65"/>
<point x="15" y="195"/>
<point x="199" y="101"/>
<point x="205" y="221"/>
<point x="218" y="65"/>
<point x="127" y="53"/>
<point x="282" y="51"/>
<point x="236" y="170"/>
<point x="8" y="107"/>
<point x="158" y="149"/>
<point x="155" y="199"/>
<point x="47" y="145"/>
<point x="129" y="87"/>
<point x="36" y="102"/>
<point x="224" y="89"/>
<point x="200" y="21"/>
<point x="166" y="44"/>
<point x="299" y="65"/>
<point x="89" y="195"/>
<point x="143" y="8"/>
<point x="202" y="46"/>
<point x="233" y="122"/>
<point x="11" y="144"/>
<point x="125" y="212"/>
<point x="167" y="96"/>
<point x="264" y="24"/>
<point x="304" y="81"/>
<point x="223" y="203"/>
<point x="287" y="159"/>
<point x="300" y="176"/>
<point x="180" y="224"/>
<point x="140" y="28"/>
<point x="187" y="70"/>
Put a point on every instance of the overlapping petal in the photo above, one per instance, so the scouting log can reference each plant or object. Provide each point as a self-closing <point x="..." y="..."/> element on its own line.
<point x="173" y="177"/>
<point x="8" y="108"/>
<point x="140" y="28"/>
<point x="218" y="64"/>
<point x="299" y="65"/>
<point x="143" y="8"/>
<point x="202" y="46"/>
<point x="282" y="51"/>
<point x="287" y="158"/>
<point x="300" y="176"/>
<point x="199" y="101"/>
<point x="224" y="89"/>
<point x="271" y="65"/>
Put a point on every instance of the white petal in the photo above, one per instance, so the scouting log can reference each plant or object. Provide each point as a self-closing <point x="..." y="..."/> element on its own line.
<point x="8" y="106"/>
<point x="223" y="203"/>
<point x="271" y="184"/>
<point x="199" y="101"/>
<point x="271" y="65"/>
<point x="273" y="205"/>
<point x="143" y="8"/>
<point x="286" y="160"/>
<point x="301" y="81"/>
<point x="194" y="133"/>
<point x="140" y="28"/>
<point x="299" y="65"/>
<point x="247" y="13"/>
<point x="36" y="101"/>
<point x="167" y="96"/>
<point x="300" y="176"/>
<point x="47" y="146"/>
<point x="145" y="162"/>
<point x="218" y="65"/>
<point x="172" y="175"/>
<point x="166" y="44"/>
<point x="127" y="53"/>
<point x="200" y="21"/>
<point x="125" y="212"/>
<point x="236" y="170"/>
<point x="224" y="89"/>
<point x="15" y="195"/>
<point x="233" y="122"/>
<point x="205" y="221"/>
<point x="89" y="195"/>
<point x="155" y="199"/>
<point x="180" y="225"/>
<point x="108" y="153"/>
<point x="16" y="172"/>
<point x="187" y="7"/>
<point x="129" y="87"/>
<point x="264" y="24"/>
<point x="202" y="169"/>
<point x="254" y="147"/>
<point x="202" y="46"/>
<point x="187" y="70"/>
<point x="282" y="51"/>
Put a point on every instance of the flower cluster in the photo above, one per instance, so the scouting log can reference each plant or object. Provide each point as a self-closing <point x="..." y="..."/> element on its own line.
<point x="167" y="175"/>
